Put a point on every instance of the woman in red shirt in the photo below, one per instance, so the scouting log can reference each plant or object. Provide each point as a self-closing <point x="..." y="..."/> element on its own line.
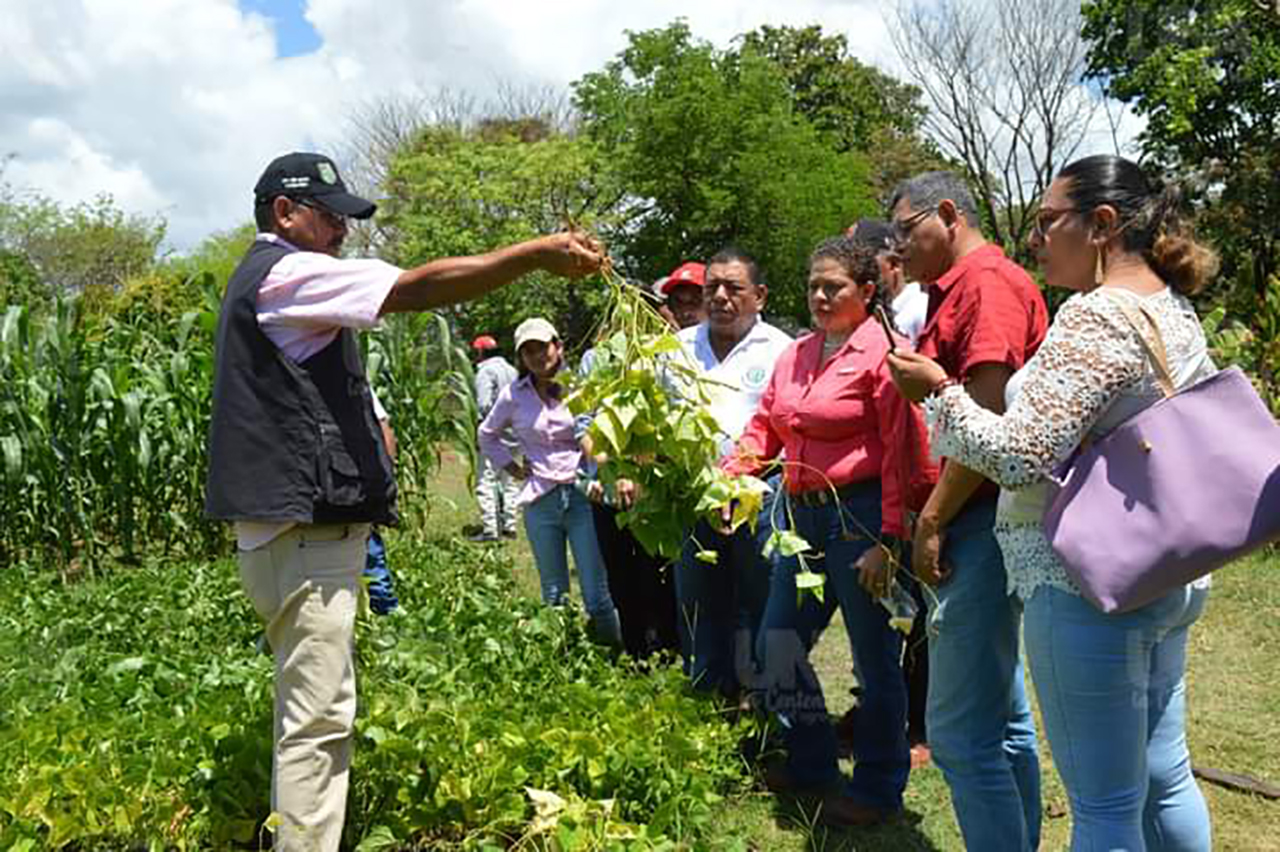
<point x="855" y="459"/>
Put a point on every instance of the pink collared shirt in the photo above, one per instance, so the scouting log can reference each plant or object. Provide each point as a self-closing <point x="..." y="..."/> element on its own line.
<point x="544" y="431"/>
<point x="308" y="297"/>
<point x="839" y="423"/>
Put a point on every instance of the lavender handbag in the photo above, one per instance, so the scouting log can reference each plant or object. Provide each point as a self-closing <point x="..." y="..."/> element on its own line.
<point x="1174" y="492"/>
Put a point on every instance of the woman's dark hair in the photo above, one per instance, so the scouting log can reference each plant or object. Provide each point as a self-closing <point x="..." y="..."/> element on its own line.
<point x="858" y="261"/>
<point x="1149" y="220"/>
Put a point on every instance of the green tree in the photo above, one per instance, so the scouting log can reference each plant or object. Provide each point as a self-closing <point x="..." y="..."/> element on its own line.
<point x="1204" y="73"/>
<point x="456" y="191"/>
<point x="862" y="108"/>
<point x="73" y="248"/>
<point x="713" y="150"/>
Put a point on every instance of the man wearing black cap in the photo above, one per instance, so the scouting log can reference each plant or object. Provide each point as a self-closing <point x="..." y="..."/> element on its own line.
<point x="296" y="458"/>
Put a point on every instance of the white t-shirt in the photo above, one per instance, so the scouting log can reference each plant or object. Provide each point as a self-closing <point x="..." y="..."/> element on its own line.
<point x="304" y="302"/>
<point x="740" y="379"/>
<point x="910" y="307"/>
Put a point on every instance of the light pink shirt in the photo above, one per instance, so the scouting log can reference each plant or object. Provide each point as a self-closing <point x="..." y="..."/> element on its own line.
<point x="308" y="297"/>
<point x="304" y="302"/>
<point x="544" y="432"/>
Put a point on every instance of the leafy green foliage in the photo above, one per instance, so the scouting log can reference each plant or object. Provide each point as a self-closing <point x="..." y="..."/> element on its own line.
<point x="713" y="150"/>
<point x="1252" y="346"/>
<point x="456" y="192"/>
<point x="649" y="419"/>
<point x="1204" y="75"/>
<point x="70" y="249"/>
<point x="860" y="107"/>
<point x="103" y="428"/>
<point x="135" y="710"/>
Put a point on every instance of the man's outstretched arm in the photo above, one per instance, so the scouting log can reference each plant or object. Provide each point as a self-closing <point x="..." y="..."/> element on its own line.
<point x="452" y="280"/>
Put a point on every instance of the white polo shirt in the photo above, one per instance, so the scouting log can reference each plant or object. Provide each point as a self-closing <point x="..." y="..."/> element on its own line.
<point x="740" y="379"/>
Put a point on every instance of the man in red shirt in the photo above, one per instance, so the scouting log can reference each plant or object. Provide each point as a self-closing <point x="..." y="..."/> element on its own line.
<point x="986" y="318"/>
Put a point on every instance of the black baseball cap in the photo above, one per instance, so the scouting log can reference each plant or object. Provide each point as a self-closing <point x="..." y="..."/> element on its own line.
<point x="313" y="176"/>
<point x="873" y="233"/>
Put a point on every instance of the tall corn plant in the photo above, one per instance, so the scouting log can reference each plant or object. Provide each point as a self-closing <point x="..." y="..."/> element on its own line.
<point x="425" y="381"/>
<point x="104" y="424"/>
<point x="102" y="432"/>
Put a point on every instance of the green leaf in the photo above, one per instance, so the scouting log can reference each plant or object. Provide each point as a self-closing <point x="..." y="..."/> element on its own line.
<point x="378" y="838"/>
<point x="709" y="556"/>
<point x="810" y="582"/>
<point x="128" y="664"/>
<point x="786" y="543"/>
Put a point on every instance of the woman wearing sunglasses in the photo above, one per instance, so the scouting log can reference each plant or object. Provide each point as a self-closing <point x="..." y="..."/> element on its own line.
<point x="1111" y="687"/>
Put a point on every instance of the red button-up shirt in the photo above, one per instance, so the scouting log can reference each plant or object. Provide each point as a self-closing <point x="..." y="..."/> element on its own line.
<point x="840" y="422"/>
<point x="985" y="310"/>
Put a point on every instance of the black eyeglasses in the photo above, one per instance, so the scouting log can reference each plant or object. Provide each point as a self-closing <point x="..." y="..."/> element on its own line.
<point x="333" y="220"/>
<point x="902" y="228"/>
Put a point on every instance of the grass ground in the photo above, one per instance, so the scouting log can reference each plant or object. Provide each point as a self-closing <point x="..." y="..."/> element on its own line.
<point x="1234" y="722"/>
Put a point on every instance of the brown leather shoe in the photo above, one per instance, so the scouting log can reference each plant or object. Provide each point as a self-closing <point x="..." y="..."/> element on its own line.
<point x="843" y="812"/>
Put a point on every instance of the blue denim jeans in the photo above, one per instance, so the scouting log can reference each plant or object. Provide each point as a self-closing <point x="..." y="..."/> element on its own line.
<point x="381" y="586"/>
<point x="563" y="517"/>
<point x="882" y="762"/>
<point x="1113" y="696"/>
<point x="719" y="606"/>
<point x="981" y="731"/>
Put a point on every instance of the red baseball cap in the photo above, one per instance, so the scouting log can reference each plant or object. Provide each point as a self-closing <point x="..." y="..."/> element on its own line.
<point x="484" y="342"/>
<point x="687" y="273"/>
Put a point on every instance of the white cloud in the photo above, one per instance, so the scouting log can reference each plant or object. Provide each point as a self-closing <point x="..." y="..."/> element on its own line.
<point x="174" y="106"/>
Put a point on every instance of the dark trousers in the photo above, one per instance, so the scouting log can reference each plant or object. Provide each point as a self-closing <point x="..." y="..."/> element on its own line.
<point x="641" y="586"/>
<point x="915" y="667"/>
<point x="915" y="658"/>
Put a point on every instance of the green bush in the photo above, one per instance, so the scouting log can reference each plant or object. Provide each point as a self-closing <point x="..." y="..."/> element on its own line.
<point x="135" y="710"/>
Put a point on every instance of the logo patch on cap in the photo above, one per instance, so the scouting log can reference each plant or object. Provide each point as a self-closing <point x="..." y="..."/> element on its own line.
<point x="327" y="173"/>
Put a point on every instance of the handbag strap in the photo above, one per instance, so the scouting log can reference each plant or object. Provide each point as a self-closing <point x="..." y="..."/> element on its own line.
<point x="1153" y="346"/>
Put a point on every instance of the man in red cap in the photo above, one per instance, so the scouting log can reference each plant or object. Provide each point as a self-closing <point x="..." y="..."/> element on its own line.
<point x="496" y="489"/>
<point x="682" y="291"/>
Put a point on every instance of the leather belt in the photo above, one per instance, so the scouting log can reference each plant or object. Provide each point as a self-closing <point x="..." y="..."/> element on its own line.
<point x="824" y="496"/>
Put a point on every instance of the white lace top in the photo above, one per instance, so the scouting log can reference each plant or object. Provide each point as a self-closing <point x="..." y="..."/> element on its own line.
<point x="1090" y="374"/>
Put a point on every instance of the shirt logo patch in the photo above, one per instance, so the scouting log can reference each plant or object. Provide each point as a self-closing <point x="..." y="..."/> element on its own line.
<point x="755" y="378"/>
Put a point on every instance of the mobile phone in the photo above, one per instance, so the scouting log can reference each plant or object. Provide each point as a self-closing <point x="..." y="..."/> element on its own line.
<point x="883" y="319"/>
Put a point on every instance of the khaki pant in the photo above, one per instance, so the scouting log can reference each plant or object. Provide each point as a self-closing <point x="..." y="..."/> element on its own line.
<point x="305" y="585"/>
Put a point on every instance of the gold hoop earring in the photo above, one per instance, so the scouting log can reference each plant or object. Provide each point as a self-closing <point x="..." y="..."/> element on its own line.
<point x="1100" y="268"/>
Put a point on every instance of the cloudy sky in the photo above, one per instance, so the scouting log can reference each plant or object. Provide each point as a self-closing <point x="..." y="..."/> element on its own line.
<point x="174" y="106"/>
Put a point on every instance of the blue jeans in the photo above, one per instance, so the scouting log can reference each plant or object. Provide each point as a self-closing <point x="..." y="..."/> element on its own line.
<point x="719" y="605"/>
<point x="1113" y="696"/>
<point x="882" y="761"/>
<point x="381" y="586"/>
<point x="981" y="731"/>
<point x="559" y="517"/>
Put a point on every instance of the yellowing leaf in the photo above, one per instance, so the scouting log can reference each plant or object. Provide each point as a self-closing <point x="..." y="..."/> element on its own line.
<point x="708" y="556"/>
<point x="810" y="582"/>
<point x="786" y="543"/>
